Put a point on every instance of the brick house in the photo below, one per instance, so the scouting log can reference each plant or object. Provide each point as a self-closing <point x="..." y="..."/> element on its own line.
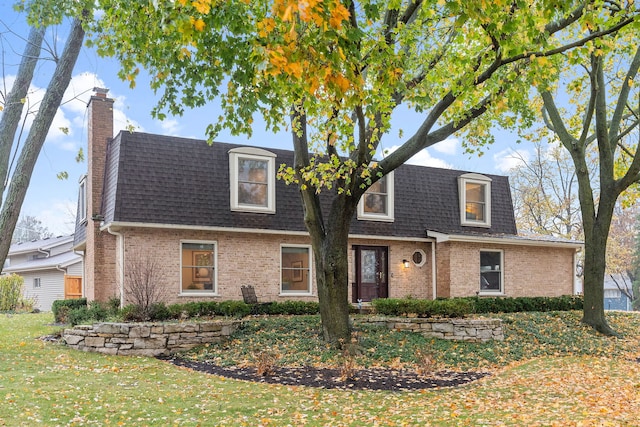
<point x="214" y="217"/>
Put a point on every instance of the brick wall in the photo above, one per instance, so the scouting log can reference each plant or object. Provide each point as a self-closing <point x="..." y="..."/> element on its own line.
<point x="100" y="255"/>
<point x="254" y="259"/>
<point x="528" y="270"/>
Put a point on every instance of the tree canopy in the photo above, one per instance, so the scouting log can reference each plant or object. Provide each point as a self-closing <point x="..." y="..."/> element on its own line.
<point x="333" y="72"/>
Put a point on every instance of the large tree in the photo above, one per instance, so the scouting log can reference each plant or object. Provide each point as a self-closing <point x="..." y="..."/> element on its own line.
<point x="16" y="174"/>
<point x="334" y="72"/>
<point x="603" y="115"/>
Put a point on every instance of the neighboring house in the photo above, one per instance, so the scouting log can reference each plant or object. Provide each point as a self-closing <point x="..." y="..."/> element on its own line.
<point x="616" y="292"/>
<point x="214" y="218"/>
<point x="50" y="268"/>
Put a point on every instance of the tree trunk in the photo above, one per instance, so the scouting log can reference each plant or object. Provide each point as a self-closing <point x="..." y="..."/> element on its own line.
<point x="594" y="270"/>
<point x="37" y="135"/>
<point x="330" y="245"/>
<point x="14" y="102"/>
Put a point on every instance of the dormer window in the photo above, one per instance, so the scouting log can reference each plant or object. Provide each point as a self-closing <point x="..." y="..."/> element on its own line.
<point x="475" y="200"/>
<point x="253" y="180"/>
<point x="377" y="203"/>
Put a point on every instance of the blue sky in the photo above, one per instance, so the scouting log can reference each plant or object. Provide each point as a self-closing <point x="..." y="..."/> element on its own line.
<point x="53" y="201"/>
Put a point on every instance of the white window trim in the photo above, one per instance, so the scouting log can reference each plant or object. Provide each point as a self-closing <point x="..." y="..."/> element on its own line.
<point x="253" y="153"/>
<point x="37" y="283"/>
<point x="474" y="178"/>
<point x="82" y="198"/>
<point x="213" y="293"/>
<point x="310" y="284"/>
<point x="389" y="216"/>
<point x="499" y="292"/>
<point x="424" y="258"/>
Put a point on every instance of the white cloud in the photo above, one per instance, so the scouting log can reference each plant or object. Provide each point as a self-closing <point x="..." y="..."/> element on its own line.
<point x="58" y="216"/>
<point x="423" y="158"/>
<point x="170" y="127"/>
<point x="448" y="146"/>
<point x="509" y="159"/>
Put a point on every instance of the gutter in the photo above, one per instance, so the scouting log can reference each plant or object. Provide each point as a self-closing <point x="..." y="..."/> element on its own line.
<point x="120" y="250"/>
<point x="117" y="225"/>
<point x="434" y="284"/>
<point x="443" y="237"/>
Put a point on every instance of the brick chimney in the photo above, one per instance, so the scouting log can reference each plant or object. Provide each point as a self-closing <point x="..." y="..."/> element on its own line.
<point x="100" y="258"/>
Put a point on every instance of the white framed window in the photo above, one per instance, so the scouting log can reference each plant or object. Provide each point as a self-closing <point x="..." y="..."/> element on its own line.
<point x="199" y="272"/>
<point x="475" y="200"/>
<point x="252" y="172"/>
<point x="295" y="270"/>
<point x="37" y="284"/>
<point x="419" y="258"/>
<point x="82" y="198"/>
<point x="491" y="272"/>
<point x="377" y="202"/>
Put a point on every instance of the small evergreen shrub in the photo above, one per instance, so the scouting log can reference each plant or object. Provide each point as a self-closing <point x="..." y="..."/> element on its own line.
<point x="62" y="307"/>
<point x="460" y="307"/>
<point x="422" y="307"/>
<point x="158" y="312"/>
<point x="233" y="308"/>
<point x="95" y="312"/>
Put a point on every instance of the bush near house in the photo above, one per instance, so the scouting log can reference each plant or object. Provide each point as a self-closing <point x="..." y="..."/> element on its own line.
<point x="62" y="307"/>
<point x="460" y="307"/>
<point x="10" y="292"/>
<point x="77" y="311"/>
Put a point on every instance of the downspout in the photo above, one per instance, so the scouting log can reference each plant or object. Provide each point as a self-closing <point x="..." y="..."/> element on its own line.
<point x="44" y="251"/>
<point x="433" y="270"/>
<point x="120" y="245"/>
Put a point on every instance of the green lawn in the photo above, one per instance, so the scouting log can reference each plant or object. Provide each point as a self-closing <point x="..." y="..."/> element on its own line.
<point x="549" y="371"/>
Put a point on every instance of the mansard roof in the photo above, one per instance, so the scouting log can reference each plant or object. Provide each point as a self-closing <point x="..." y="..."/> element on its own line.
<point x="163" y="180"/>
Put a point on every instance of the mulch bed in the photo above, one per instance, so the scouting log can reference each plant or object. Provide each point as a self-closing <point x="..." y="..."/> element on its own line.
<point x="327" y="378"/>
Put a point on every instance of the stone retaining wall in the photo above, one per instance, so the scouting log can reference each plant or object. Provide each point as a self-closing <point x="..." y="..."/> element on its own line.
<point x="146" y="339"/>
<point x="478" y="330"/>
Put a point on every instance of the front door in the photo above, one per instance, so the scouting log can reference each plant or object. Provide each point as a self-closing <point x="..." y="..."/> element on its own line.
<point x="371" y="273"/>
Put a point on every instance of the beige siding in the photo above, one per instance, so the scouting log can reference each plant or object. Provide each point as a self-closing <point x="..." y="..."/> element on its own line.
<point x="51" y="288"/>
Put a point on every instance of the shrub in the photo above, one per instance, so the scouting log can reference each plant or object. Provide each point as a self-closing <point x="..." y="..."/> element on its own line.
<point x="10" y="292"/>
<point x="62" y="307"/>
<point x="159" y="311"/>
<point x="132" y="313"/>
<point x="95" y="312"/>
<point x="142" y="281"/>
<point x="423" y="307"/>
<point x="233" y="308"/>
<point x="286" y="307"/>
<point x="460" y="307"/>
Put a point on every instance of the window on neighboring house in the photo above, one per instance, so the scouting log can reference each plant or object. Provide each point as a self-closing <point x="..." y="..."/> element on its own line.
<point x="295" y="269"/>
<point x="36" y="283"/>
<point x="377" y="203"/>
<point x="491" y="277"/>
<point x="82" y="199"/>
<point x="253" y="186"/>
<point x="199" y="271"/>
<point x="475" y="200"/>
<point x="612" y="293"/>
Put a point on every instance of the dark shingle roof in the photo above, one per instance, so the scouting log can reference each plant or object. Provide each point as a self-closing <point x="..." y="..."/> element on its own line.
<point x="169" y="180"/>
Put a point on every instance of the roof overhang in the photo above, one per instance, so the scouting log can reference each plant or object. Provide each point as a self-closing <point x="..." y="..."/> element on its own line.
<point x="118" y="226"/>
<point x="505" y="240"/>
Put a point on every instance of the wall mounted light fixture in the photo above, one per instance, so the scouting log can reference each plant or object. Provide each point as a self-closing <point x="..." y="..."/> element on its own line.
<point x="405" y="262"/>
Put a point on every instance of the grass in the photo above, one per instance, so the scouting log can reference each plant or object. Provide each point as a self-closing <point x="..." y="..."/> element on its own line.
<point x="549" y="370"/>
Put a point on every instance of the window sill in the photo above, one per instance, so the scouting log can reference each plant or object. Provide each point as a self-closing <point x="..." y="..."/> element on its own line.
<point x="375" y="218"/>
<point x="491" y="294"/>
<point x="475" y="224"/>
<point x="295" y="294"/>
<point x="198" y="294"/>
